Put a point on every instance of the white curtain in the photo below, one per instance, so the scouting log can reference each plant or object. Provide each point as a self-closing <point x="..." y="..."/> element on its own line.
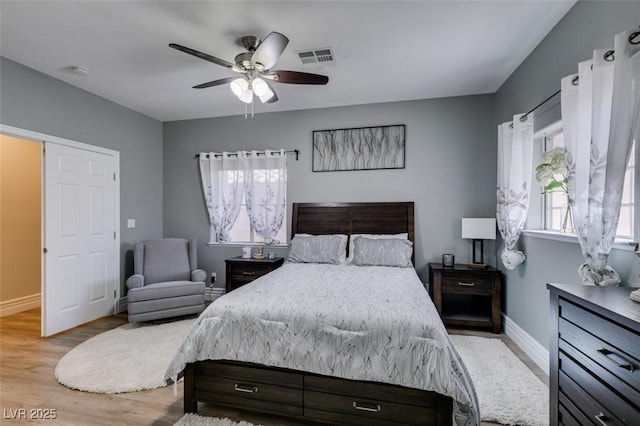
<point x="601" y="117"/>
<point x="515" y="151"/>
<point x="265" y="186"/>
<point x="222" y="188"/>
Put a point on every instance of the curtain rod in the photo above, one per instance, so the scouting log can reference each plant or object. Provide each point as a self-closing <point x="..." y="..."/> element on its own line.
<point x="291" y="151"/>
<point x="524" y="117"/>
<point x="608" y="56"/>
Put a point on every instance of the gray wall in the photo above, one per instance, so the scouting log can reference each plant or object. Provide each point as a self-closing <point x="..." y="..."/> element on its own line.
<point x="34" y="101"/>
<point x="450" y="168"/>
<point x="587" y="26"/>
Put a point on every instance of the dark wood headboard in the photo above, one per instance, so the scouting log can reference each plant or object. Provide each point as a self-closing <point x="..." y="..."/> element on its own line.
<point x="354" y="218"/>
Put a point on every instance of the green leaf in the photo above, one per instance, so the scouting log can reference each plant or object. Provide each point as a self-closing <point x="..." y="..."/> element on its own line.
<point x="542" y="166"/>
<point x="554" y="185"/>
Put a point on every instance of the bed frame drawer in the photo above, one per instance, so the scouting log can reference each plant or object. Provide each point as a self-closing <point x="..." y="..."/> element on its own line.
<point x="365" y="403"/>
<point x="272" y="391"/>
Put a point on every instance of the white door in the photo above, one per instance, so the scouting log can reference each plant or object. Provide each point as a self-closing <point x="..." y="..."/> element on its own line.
<point x="80" y="262"/>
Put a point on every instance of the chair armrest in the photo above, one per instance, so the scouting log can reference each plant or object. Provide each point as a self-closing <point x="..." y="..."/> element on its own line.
<point x="135" y="281"/>
<point x="198" y="275"/>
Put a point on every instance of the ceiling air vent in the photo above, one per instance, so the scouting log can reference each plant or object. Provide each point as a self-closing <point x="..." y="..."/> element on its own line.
<point x="316" y="56"/>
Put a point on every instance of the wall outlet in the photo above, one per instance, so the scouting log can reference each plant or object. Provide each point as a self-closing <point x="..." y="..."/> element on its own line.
<point x="213" y="278"/>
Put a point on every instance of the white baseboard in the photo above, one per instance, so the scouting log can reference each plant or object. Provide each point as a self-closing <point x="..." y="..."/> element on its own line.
<point x="13" y="306"/>
<point x="528" y="344"/>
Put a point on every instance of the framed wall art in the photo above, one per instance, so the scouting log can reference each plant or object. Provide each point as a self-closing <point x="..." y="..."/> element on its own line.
<point x="362" y="148"/>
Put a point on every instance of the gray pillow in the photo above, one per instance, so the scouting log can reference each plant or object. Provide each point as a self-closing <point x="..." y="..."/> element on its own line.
<point x="382" y="252"/>
<point x="316" y="249"/>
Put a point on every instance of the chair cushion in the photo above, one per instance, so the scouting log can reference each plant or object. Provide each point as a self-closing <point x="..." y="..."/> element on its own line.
<point x="166" y="260"/>
<point x="165" y="290"/>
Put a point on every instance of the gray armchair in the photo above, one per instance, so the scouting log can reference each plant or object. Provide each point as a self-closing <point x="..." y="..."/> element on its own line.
<point x="166" y="282"/>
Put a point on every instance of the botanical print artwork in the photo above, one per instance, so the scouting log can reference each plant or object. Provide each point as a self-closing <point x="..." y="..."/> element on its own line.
<point x="364" y="148"/>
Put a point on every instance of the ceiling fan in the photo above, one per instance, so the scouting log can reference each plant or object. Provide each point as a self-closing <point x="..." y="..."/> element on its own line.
<point x="256" y="65"/>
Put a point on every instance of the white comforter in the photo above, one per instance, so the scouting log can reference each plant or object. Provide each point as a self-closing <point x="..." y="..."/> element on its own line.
<point x="362" y="323"/>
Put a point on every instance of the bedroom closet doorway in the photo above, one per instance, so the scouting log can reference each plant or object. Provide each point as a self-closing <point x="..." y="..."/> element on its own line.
<point x="80" y="239"/>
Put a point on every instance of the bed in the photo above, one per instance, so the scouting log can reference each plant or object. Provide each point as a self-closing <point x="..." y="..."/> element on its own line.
<point x="336" y="343"/>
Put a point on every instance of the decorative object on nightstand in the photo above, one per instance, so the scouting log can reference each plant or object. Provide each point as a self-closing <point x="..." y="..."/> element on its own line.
<point x="467" y="296"/>
<point x="478" y="230"/>
<point x="448" y="260"/>
<point x="241" y="271"/>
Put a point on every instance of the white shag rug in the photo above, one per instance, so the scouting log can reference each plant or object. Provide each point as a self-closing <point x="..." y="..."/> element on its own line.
<point x="130" y="358"/>
<point x="508" y="391"/>
<point x="196" y="420"/>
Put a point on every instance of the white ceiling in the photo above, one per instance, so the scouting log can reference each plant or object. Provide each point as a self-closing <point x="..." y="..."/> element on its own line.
<point x="385" y="51"/>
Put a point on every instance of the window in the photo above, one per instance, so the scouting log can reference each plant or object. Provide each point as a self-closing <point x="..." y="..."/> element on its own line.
<point x="245" y="195"/>
<point x="555" y="203"/>
<point x="242" y="232"/>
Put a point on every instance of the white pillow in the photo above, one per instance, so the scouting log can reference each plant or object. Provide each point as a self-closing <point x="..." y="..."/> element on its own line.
<point x="309" y="248"/>
<point x="402" y="236"/>
<point x="382" y="252"/>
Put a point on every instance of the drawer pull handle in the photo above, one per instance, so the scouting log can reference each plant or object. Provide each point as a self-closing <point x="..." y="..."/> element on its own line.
<point x="464" y="284"/>
<point x="602" y="419"/>
<point x="245" y="388"/>
<point x="366" y="407"/>
<point x="626" y="364"/>
<point x="248" y="273"/>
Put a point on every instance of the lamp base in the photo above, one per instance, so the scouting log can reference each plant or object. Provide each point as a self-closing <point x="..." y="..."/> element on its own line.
<point x="477" y="265"/>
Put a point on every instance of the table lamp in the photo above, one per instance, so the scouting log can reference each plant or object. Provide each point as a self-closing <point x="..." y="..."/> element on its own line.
<point x="478" y="230"/>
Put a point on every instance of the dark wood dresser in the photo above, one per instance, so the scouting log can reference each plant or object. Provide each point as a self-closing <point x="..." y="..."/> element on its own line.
<point x="594" y="350"/>
<point x="241" y="271"/>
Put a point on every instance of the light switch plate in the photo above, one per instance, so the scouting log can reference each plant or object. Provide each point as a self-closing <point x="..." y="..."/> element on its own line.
<point x="131" y="223"/>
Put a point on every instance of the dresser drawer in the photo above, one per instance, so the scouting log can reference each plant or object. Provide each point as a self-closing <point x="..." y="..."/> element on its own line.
<point x="600" y="404"/>
<point x="622" y="338"/>
<point x="460" y="283"/>
<point x="600" y="355"/>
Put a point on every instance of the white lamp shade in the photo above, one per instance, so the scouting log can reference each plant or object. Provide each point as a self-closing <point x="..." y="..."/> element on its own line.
<point x="266" y="96"/>
<point x="479" y="228"/>
<point x="239" y="86"/>
<point x="259" y="87"/>
<point x="247" y="96"/>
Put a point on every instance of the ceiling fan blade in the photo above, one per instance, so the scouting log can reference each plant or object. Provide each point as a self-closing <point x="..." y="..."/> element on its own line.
<point x="269" y="50"/>
<point x="296" y="77"/>
<point x="202" y="56"/>
<point x="215" y="83"/>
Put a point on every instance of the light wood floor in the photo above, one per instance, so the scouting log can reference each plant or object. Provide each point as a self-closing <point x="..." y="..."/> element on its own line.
<point x="27" y="364"/>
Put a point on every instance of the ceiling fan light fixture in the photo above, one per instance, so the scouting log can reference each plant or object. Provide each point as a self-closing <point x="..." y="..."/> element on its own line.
<point x="239" y="86"/>
<point x="247" y="96"/>
<point x="259" y="87"/>
<point x="266" y="95"/>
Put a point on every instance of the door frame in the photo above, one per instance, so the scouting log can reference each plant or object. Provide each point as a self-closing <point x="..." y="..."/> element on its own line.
<point x="45" y="139"/>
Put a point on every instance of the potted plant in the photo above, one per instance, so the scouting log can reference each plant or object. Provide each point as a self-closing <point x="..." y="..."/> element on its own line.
<point x="552" y="176"/>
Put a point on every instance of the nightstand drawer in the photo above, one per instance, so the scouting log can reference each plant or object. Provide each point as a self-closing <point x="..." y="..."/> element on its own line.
<point x="241" y="271"/>
<point x="248" y="269"/>
<point x="466" y="284"/>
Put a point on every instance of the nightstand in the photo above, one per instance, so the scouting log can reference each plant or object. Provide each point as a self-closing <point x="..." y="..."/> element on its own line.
<point x="465" y="296"/>
<point x="241" y="271"/>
